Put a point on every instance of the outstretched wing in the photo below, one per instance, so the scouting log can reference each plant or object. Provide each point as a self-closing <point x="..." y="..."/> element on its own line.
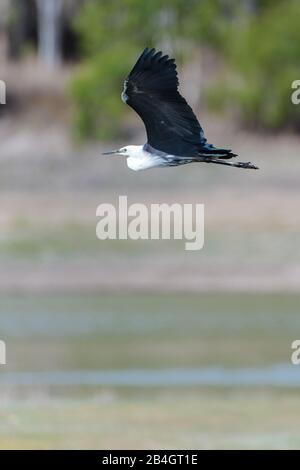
<point x="151" y="89"/>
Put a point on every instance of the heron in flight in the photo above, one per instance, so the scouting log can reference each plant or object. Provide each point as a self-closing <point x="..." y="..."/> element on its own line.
<point x="174" y="135"/>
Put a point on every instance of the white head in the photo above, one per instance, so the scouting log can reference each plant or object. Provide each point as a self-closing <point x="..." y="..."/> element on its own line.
<point x="129" y="151"/>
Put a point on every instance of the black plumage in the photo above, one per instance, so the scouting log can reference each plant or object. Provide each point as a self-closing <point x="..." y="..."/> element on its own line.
<point x="151" y="89"/>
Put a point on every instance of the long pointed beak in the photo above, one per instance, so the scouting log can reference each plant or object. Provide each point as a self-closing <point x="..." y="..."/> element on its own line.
<point x="111" y="152"/>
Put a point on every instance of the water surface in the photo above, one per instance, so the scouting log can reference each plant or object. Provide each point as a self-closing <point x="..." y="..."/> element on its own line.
<point x="207" y="339"/>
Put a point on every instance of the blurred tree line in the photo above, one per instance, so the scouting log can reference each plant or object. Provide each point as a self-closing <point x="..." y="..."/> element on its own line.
<point x="258" y="40"/>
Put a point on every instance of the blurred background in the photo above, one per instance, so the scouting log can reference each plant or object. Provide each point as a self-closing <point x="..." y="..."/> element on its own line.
<point x="123" y="344"/>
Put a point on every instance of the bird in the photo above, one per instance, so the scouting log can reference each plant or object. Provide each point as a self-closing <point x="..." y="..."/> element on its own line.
<point x="174" y="134"/>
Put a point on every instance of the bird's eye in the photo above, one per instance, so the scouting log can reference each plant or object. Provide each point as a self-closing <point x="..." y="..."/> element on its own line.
<point x="124" y="150"/>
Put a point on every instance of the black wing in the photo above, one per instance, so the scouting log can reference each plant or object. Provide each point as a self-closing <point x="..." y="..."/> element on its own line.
<point x="151" y="89"/>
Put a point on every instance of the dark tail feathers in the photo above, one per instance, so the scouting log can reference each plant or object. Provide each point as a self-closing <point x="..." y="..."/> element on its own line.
<point x="212" y="154"/>
<point x="247" y="165"/>
<point x="211" y="151"/>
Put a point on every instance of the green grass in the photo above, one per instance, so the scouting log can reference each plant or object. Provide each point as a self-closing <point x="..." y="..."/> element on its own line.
<point x="120" y="331"/>
<point x="67" y="332"/>
<point x="165" y="420"/>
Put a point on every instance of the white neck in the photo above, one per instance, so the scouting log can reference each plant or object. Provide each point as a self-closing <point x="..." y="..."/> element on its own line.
<point x="136" y="157"/>
<point x="139" y="159"/>
<point x="134" y="151"/>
